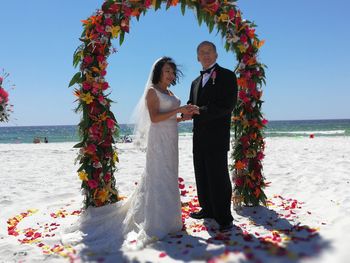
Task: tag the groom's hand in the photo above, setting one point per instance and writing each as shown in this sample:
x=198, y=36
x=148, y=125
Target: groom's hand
x=195, y=110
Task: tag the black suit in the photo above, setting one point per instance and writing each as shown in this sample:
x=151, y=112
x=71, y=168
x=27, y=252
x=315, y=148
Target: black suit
x=211, y=141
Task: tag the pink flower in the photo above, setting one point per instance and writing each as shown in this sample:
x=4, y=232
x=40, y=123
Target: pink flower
x=88, y=60
x=107, y=177
x=110, y=123
x=148, y=3
x=231, y=14
x=95, y=132
x=103, y=73
x=86, y=86
x=105, y=85
x=264, y=121
x=213, y=76
x=3, y=94
x=92, y=184
x=109, y=21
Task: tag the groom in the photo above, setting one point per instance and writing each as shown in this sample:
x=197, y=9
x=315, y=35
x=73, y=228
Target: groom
x=215, y=94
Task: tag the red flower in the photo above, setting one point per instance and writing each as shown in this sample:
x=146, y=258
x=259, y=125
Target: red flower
x=97, y=173
x=105, y=85
x=127, y=11
x=95, y=132
x=107, y=177
x=148, y=3
x=92, y=184
x=101, y=99
x=94, y=108
x=244, y=38
x=100, y=58
x=109, y=21
x=110, y=123
x=112, y=9
x=107, y=143
x=88, y=60
x=238, y=181
x=231, y=14
x=250, y=32
x=90, y=149
x=100, y=29
x=86, y=86
x=3, y=95
x=260, y=156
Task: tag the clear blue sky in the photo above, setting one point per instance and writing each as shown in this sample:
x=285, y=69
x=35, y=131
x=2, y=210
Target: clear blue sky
x=306, y=51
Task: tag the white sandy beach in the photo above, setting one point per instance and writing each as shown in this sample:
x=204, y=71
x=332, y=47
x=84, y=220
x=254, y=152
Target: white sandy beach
x=307, y=220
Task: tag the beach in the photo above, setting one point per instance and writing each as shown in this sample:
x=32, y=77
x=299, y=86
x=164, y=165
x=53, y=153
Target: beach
x=306, y=220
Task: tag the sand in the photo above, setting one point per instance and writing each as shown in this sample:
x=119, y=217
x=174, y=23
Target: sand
x=307, y=220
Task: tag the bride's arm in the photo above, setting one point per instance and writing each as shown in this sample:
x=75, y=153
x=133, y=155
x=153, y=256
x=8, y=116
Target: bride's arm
x=153, y=108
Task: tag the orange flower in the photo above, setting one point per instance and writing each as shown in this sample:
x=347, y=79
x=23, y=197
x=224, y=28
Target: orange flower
x=77, y=93
x=258, y=44
x=135, y=12
x=85, y=22
x=174, y=2
x=102, y=195
x=242, y=82
x=251, y=61
x=239, y=165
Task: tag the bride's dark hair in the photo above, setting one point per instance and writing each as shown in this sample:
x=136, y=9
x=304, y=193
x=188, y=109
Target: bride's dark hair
x=158, y=70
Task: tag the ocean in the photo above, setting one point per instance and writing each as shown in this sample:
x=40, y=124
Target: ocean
x=68, y=133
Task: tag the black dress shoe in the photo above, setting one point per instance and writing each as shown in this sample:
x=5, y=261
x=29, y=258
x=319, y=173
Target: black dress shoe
x=226, y=227
x=200, y=215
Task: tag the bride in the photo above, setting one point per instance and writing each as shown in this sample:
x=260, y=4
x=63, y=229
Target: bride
x=154, y=209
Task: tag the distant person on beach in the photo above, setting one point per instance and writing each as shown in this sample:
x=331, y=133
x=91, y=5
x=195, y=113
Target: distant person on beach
x=215, y=93
x=46, y=140
x=36, y=140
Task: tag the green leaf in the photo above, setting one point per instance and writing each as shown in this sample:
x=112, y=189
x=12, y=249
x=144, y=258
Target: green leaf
x=79, y=145
x=77, y=58
x=199, y=17
x=211, y=26
x=121, y=37
x=183, y=7
x=76, y=79
x=158, y=4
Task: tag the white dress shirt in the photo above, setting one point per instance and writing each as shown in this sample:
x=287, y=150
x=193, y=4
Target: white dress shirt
x=206, y=76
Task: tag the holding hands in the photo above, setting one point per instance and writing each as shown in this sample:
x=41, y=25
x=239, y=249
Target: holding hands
x=188, y=111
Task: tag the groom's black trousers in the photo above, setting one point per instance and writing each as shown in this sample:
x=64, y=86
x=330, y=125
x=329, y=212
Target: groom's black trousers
x=213, y=184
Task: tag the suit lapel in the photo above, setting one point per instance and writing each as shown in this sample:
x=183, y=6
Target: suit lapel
x=196, y=89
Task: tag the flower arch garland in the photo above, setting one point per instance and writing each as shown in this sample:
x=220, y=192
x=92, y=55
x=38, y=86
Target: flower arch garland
x=5, y=106
x=97, y=155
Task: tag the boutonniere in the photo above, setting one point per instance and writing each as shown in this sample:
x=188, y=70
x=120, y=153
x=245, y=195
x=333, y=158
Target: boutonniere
x=213, y=76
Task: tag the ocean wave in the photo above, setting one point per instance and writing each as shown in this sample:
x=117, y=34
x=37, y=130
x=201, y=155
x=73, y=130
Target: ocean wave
x=332, y=132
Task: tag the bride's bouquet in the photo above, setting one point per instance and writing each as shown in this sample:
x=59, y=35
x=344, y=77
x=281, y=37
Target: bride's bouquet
x=5, y=107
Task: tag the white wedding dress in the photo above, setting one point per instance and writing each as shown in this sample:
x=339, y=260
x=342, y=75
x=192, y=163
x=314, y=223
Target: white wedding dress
x=152, y=211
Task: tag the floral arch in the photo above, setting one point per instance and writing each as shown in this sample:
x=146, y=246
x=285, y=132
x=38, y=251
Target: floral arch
x=98, y=157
